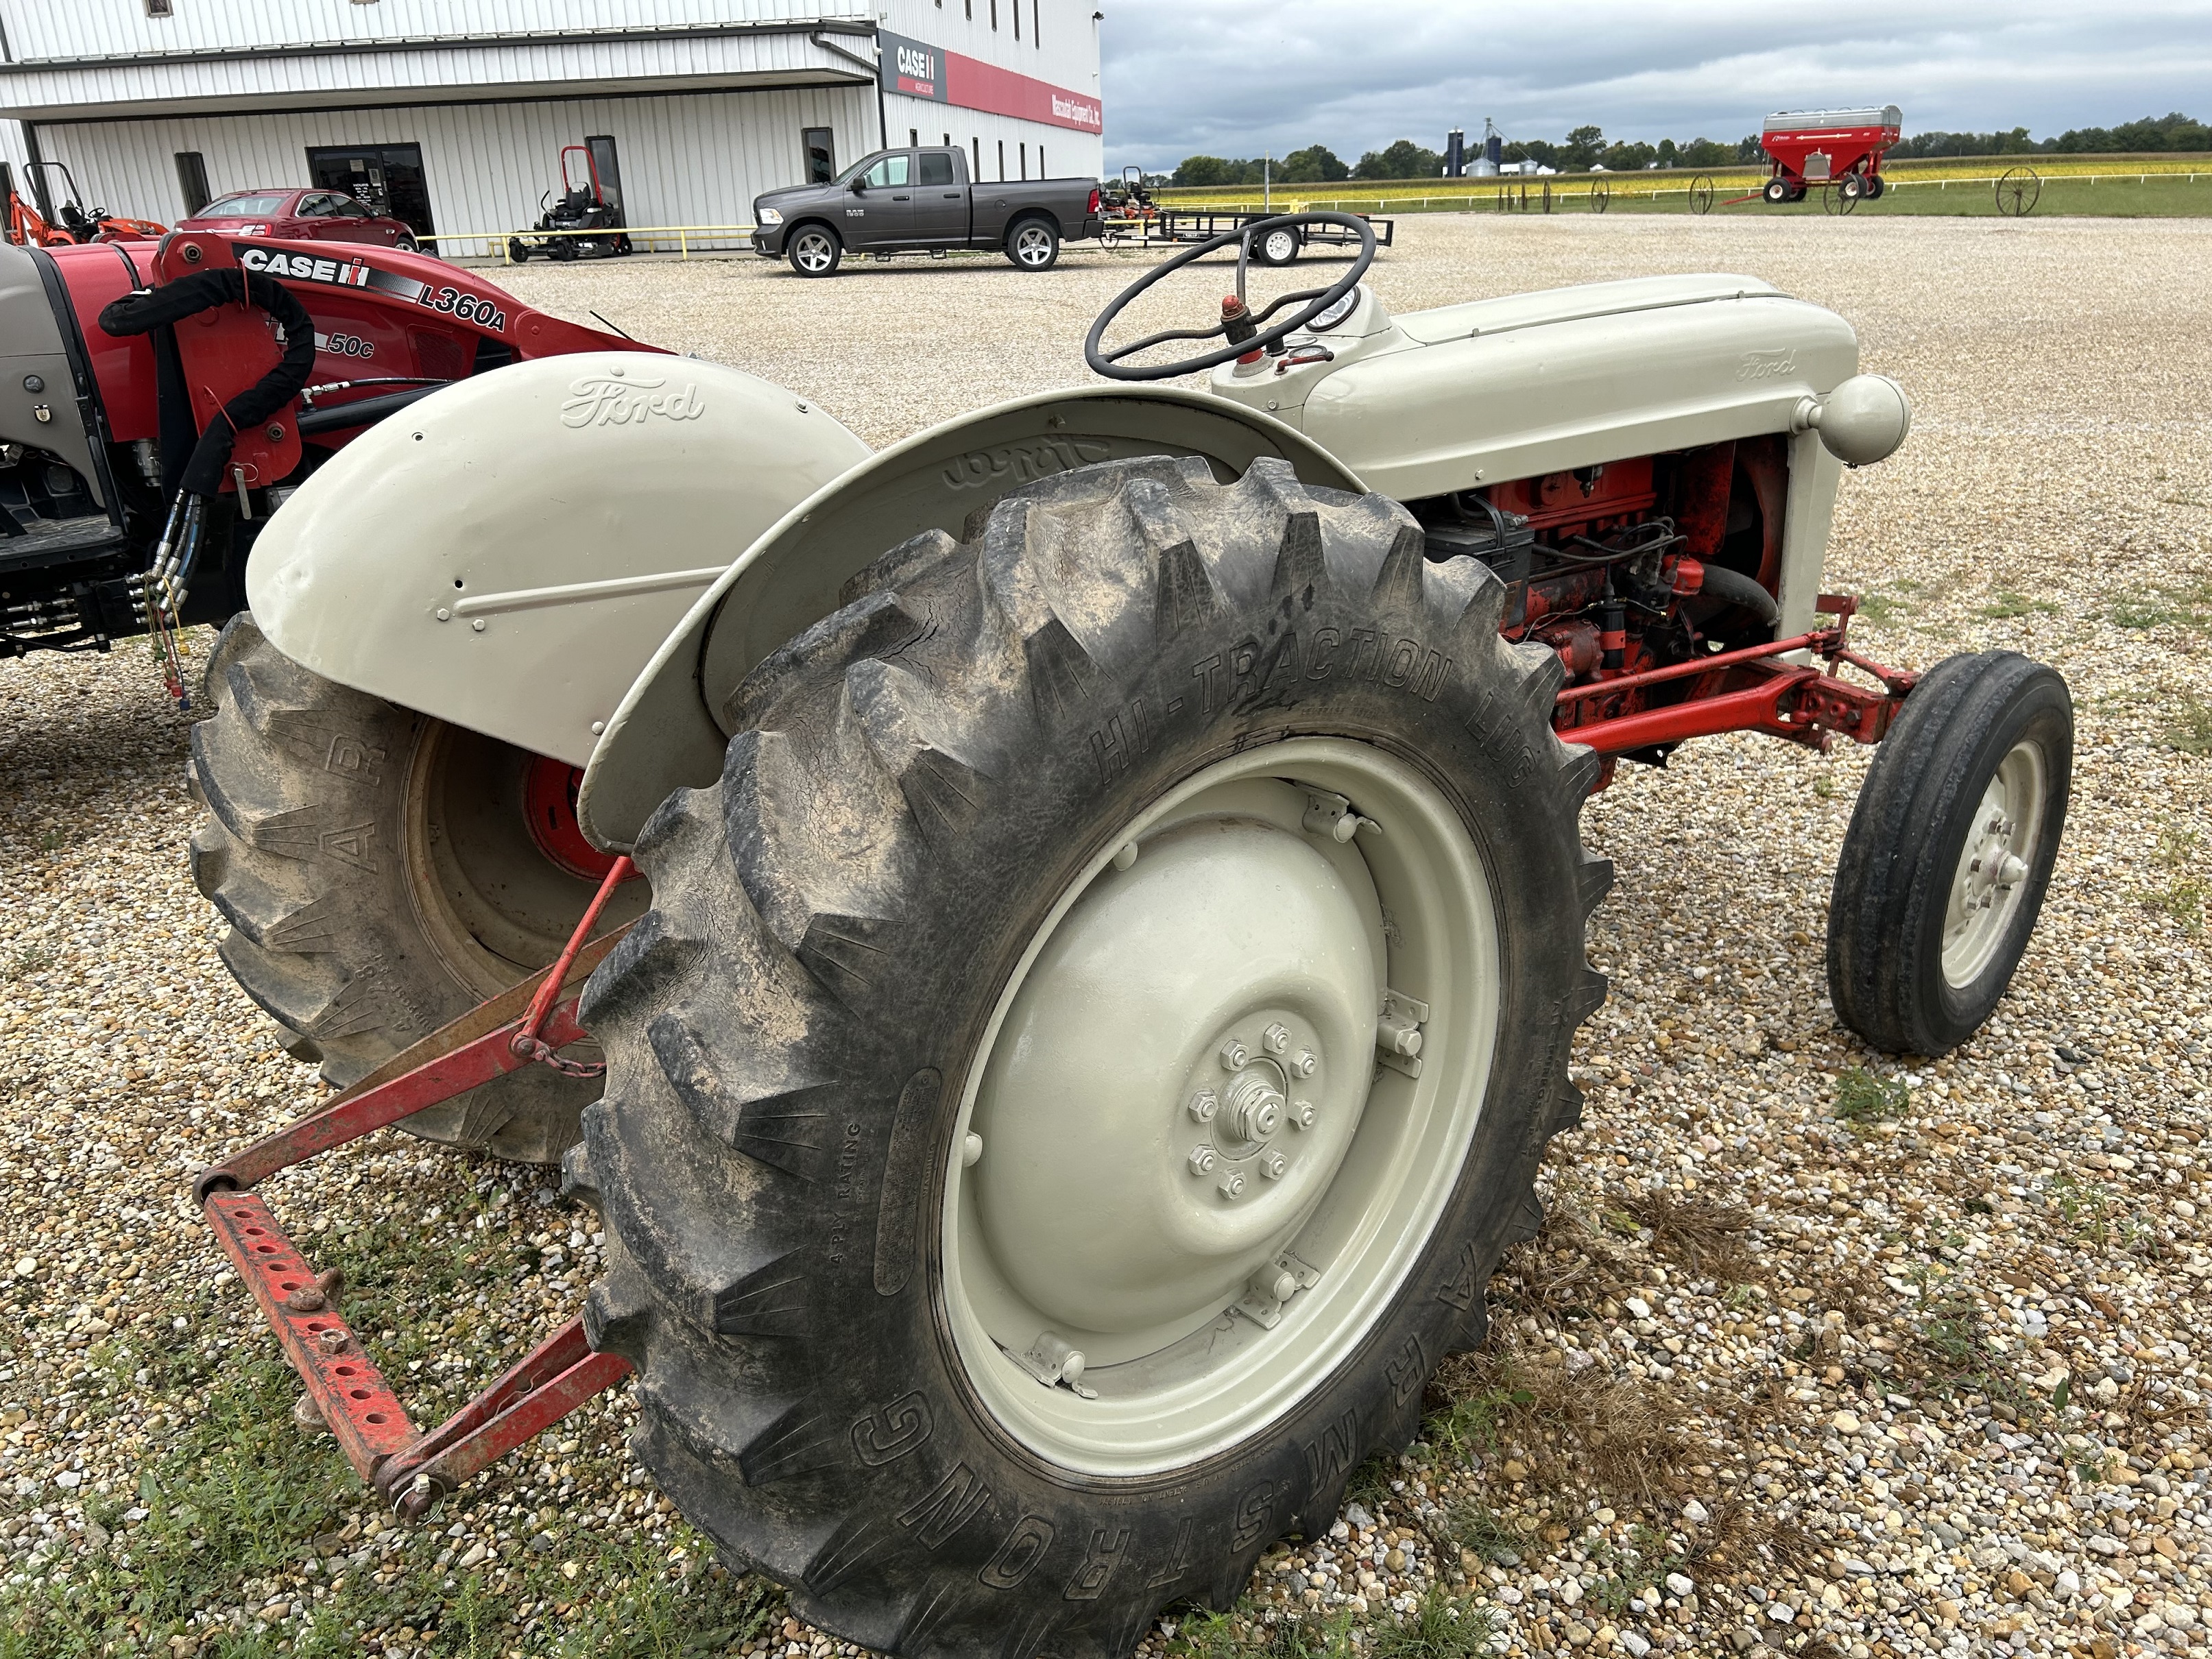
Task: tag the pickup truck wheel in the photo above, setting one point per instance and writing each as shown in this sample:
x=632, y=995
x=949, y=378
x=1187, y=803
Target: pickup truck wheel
x=815, y=251
x=1033, y=244
x=1949, y=850
x=1278, y=247
x=383, y=872
x=1027, y=1192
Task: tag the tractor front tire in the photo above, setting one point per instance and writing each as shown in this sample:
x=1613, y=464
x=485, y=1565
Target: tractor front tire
x=1027, y=1195
x=1949, y=850
x=379, y=879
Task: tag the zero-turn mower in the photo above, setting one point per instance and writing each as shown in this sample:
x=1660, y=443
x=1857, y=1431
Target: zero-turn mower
x=1117, y=901
x=586, y=220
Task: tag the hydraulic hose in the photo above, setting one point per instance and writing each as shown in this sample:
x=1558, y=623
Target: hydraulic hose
x=143, y=310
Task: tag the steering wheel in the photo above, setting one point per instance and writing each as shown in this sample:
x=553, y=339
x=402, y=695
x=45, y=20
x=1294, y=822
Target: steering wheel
x=1109, y=364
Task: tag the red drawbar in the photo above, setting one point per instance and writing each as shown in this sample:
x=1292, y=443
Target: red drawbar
x=523, y=1025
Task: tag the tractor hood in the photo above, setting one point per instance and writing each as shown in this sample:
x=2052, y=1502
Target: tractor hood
x=1528, y=384
x=507, y=553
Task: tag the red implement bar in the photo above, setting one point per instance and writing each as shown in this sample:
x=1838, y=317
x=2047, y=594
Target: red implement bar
x=1750, y=689
x=522, y=1026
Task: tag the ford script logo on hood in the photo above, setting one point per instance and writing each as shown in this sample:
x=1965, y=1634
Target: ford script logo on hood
x=609, y=400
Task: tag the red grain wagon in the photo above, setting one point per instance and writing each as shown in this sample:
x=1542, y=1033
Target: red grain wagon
x=1825, y=149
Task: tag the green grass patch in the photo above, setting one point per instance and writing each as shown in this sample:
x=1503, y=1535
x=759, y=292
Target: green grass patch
x=2181, y=892
x=2187, y=606
x=235, y=1502
x=1862, y=1097
x=2005, y=607
x=2190, y=731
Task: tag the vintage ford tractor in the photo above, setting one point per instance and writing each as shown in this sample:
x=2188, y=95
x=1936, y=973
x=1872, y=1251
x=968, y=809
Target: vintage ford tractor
x=1117, y=901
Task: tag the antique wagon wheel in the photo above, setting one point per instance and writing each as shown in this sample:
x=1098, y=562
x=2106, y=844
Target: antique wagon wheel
x=1600, y=195
x=1834, y=201
x=2019, y=189
x=1701, y=193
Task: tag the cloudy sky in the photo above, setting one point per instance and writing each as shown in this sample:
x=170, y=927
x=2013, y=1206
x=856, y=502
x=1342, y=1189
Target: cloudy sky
x=1238, y=77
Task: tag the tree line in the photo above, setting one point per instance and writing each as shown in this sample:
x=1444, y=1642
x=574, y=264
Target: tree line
x=1587, y=147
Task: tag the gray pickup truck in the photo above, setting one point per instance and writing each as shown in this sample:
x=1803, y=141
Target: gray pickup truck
x=914, y=201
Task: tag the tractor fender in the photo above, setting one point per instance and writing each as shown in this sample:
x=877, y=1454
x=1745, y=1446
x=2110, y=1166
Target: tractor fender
x=674, y=726
x=505, y=554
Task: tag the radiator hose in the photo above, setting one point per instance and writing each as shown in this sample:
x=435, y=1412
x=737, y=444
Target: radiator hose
x=1735, y=587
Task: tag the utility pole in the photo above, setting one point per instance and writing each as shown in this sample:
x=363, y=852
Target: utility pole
x=1267, y=184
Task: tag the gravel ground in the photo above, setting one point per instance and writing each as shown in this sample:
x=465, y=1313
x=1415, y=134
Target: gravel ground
x=1817, y=1350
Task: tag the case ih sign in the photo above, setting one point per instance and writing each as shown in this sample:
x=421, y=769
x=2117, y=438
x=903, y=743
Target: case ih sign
x=921, y=70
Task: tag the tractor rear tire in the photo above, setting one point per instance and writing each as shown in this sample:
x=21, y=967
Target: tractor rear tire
x=1949, y=850
x=1061, y=805
x=379, y=881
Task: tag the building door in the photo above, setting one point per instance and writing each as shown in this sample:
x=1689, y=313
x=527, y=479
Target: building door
x=821, y=154
x=604, y=163
x=388, y=177
x=192, y=179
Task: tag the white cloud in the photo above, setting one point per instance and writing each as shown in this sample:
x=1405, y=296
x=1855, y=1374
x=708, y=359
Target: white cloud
x=1239, y=77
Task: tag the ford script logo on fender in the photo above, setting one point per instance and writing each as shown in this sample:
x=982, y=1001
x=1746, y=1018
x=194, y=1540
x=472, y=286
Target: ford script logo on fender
x=615, y=400
x=1767, y=365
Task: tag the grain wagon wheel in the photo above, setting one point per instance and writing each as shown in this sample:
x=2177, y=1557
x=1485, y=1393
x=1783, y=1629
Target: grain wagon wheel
x=1601, y=195
x=1701, y=194
x=2019, y=189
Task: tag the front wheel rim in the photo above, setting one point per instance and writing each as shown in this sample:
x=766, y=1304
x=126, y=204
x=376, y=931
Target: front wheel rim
x=1281, y=247
x=1191, y=1173
x=1996, y=865
x=814, y=252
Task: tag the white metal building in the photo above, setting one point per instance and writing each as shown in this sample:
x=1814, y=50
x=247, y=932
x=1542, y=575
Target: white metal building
x=150, y=103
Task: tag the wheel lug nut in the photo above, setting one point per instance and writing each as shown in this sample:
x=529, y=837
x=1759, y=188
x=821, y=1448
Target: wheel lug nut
x=1201, y=1159
x=1272, y=1166
x=1232, y=1184
x=1304, y=1064
x=1204, y=1104
x=1234, y=1053
x=1303, y=1115
x=1276, y=1037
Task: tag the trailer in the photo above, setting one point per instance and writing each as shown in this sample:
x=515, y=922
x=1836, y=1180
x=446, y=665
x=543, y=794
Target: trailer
x=1837, y=149
x=1281, y=246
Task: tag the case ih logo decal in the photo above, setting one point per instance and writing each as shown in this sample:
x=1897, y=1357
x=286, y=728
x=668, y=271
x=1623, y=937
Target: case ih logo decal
x=917, y=70
x=921, y=70
x=357, y=272
x=609, y=400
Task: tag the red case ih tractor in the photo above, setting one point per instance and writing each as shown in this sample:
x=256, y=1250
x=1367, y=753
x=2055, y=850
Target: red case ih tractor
x=1837, y=149
x=1117, y=901
x=123, y=418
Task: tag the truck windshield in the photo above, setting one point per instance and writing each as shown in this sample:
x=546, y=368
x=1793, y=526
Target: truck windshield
x=883, y=172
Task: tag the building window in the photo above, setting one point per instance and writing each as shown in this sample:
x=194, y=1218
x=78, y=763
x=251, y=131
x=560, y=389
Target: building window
x=1036, y=34
x=994, y=14
x=821, y=154
x=914, y=138
x=157, y=8
x=971, y=10
x=948, y=141
x=1002, y=160
x=1025, y=161
x=191, y=179
x=976, y=176
x=1042, y=173
x=1018, y=19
